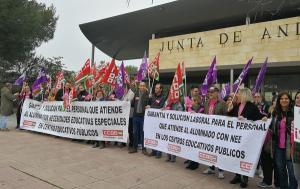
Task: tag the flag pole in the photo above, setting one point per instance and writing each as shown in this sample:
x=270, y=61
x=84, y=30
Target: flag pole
x=235, y=92
x=149, y=83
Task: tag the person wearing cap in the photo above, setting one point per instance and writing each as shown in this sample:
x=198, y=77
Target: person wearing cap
x=214, y=106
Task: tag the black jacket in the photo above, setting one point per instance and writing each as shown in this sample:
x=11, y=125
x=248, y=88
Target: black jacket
x=250, y=112
x=157, y=102
x=275, y=127
x=145, y=100
x=59, y=95
x=81, y=95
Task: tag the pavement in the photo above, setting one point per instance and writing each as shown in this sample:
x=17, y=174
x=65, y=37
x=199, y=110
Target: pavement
x=31, y=160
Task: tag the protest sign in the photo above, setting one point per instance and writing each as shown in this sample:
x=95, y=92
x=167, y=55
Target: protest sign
x=105, y=121
x=226, y=142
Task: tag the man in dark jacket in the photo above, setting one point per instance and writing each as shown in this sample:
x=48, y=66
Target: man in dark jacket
x=214, y=106
x=157, y=101
x=140, y=101
x=6, y=109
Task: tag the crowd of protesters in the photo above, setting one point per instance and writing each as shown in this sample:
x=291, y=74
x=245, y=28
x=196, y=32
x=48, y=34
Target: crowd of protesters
x=276, y=159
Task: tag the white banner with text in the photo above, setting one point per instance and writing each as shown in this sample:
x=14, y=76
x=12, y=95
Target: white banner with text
x=225, y=142
x=104, y=121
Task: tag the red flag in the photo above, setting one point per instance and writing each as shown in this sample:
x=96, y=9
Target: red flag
x=175, y=90
x=84, y=72
x=153, y=68
x=127, y=79
x=88, y=83
x=101, y=72
x=94, y=70
x=59, y=78
x=111, y=74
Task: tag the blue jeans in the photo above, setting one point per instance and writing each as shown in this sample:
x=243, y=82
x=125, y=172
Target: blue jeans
x=3, y=122
x=138, y=131
x=287, y=179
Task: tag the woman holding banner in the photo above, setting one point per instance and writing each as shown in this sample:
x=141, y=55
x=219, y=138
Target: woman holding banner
x=267, y=160
x=244, y=109
x=178, y=107
x=194, y=104
x=282, y=147
x=100, y=96
x=25, y=94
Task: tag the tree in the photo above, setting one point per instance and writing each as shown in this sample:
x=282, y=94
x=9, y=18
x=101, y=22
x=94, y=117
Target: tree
x=51, y=65
x=24, y=25
x=131, y=71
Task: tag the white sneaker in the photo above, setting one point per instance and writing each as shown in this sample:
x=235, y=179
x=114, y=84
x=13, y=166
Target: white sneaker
x=261, y=174
x=209, y=171
x=221, y=175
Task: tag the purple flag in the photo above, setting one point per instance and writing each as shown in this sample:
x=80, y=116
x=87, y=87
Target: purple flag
x=120, y=90
x=21, y=79
x=211, y=77
x=260, y=77
x=143, y=69
x=42, y=77
x=226, y=89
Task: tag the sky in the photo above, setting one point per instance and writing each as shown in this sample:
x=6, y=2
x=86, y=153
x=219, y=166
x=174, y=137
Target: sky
x=70, y=43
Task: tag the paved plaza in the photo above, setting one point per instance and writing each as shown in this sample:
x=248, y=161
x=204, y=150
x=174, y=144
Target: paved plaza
x=36, y=161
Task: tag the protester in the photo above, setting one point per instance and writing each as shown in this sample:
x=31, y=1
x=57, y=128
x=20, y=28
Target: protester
x=282, y=118
x=193, y=104
x=267, y=161
x=157, y=101
x=25, y=94
x=263, y=107
x=244, y=109
x=129, y=96
x=60, y=93
x=178, y=107
x=140, y=101
x=52, y=95
x=83, y=95
x=214, y=106
x=99, y=97
x=112, y=96
x=6, y=110
x=272, y=107
x=261, y=104
x=228, y=100
x=42, y=93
